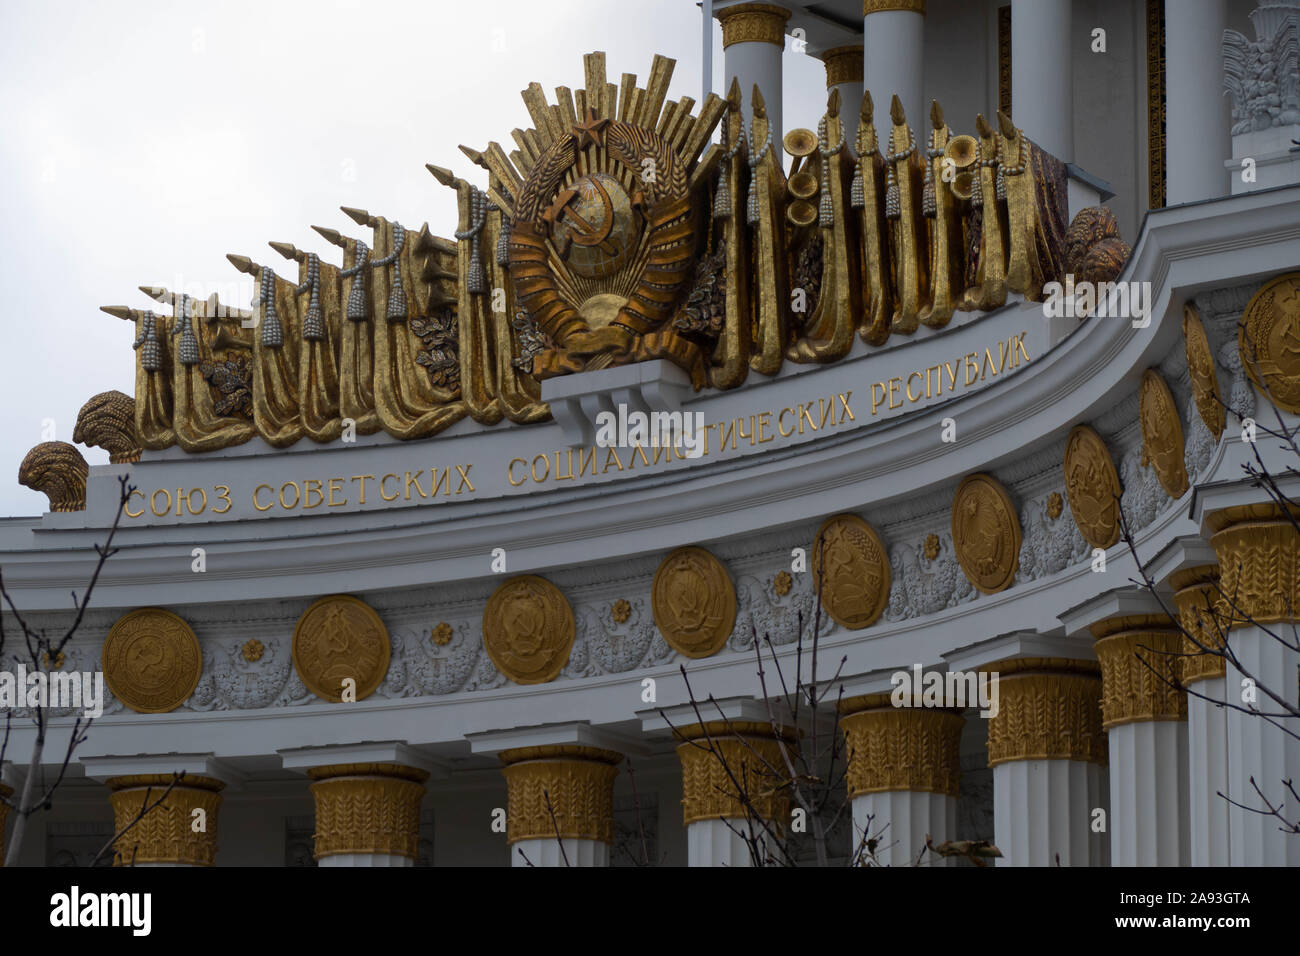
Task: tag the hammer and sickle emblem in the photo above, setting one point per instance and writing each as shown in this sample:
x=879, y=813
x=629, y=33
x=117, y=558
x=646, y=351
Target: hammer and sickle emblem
x=581, y=231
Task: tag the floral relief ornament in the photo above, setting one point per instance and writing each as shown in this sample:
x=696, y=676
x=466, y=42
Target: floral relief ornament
x=253, y=650
x=620, y=611
x=442, y=634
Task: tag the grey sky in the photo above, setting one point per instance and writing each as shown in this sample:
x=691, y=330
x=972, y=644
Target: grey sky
x=144, y=141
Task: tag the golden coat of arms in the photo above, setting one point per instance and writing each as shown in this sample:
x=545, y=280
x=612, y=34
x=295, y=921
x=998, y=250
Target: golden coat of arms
x=528, y=629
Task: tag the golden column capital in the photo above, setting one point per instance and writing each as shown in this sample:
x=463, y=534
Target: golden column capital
x=901, y=748
x=753, y=23
x=6, y=792
x=1196, y=596
x=1139, y=654
x=171, y=832
x=753, y=754
x=843, y=65
x=1259, y=563
x=574, y=783
x=1048, y=709
x=367, y=808
x=881, y=6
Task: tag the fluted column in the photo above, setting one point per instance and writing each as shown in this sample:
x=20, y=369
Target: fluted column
x=6, y=792
x=893, y=58
x=1042, y=81
x=1048, y=754
x=1196, y=127
x=844, y=73
x=904, y=774
x=1145, y=722
x=721, y=830
x=753, y=39
x=169, y=834
x=560, y=804
x=1259, y=560
x=367, y=814
x=1207, y=724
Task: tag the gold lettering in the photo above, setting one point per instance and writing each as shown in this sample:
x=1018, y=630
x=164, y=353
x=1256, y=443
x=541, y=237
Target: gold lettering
x=876, y=402
x=612, y=453
x=895, y=384
x=153, y=502
x=586, y=460
x=639, y=450
x=952, y=375
x=729, y=433
x=803, y=414
x=296, y=494
x=661, y=451
x=988, y=363
x=257, y=504
x=336, y=484
x=780, y=427
x=383, y=483
x=935, y=369
x=310, y=485
x=558, y=476
x=223, y=494
x=362, y=479
x=1020, y=346
x=910, y=396
x=844, y=407
x=463, y=474
x=178, y=503
x=972, y=369
x=764, y=426
x=741, y=431
x=510, y=471
x=189, y=505
x=1003, y=355
x=414, y=481
x=434, y=483
x=707, y=428
x=546, y=468
x=127, y=506
x=826, y=410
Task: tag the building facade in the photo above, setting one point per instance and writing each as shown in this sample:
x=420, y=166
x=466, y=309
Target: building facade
x=446, y=551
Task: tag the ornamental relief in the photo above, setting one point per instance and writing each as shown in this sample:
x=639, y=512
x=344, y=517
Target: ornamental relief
x=1051, y=544
x=925, y=582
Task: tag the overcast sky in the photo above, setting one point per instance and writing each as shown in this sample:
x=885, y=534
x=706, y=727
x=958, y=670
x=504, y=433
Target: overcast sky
x=144, y=141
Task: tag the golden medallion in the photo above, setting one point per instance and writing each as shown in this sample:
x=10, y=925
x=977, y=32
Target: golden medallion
x=151, y=660
x=340, y=638
x=1200, y=368
x=1269, y=341
x=986, y=533
x=851, y=571
x=1162, y=434
x=694, y=602
x=528, y=629
x=1092, y=485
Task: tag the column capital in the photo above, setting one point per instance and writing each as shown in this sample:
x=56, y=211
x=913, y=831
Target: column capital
x=564, y=791
x=1048, y=709
x=882, y=6
x=901, y=748
x=367, y=808
x=751, y=752
x=1259, y=559
x=165, y=834
x=1138, y=654
x=843, y=65
x=1196, y=595
x=753, y=23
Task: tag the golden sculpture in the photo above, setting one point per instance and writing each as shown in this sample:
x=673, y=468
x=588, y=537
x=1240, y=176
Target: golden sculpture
x=1162, y=434
x=850, y=569
x=107, y=421
x=750, y=753
x=986, y=533
x=367, y=808
x=1048, y=709
x=151, y=660
x=1200, y=369
x=341, y=648
x=56, y=469
x=564, y=789
x=901, y=748
x=694, y=602
x=1093, y=250
x=1269, y=341
x=1138, y=656
x=1257, y=547
x=528, y=629
x=1092, y=485
x=166, y=833
x=614, y=233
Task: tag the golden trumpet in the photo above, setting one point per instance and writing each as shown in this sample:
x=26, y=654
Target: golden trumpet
x=802, y=185
x=800, y=142
x=962, y=150
x=801, y=213
x=963, y=184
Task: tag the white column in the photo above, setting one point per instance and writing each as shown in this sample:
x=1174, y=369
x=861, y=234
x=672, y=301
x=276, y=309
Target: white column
x=901, y=820
x=1042, y=82
x=904, y=773
x=1207, y=774
x=844, y=73
x=1196, y=117
x=1048, y=754
x=893, y=58
x=1148, y=794
x=1258, y=750
x=365, y=859
x=1043, y=812
x=753, y=39
x=1145, y=717
x=718, y=843
x=548, y=852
